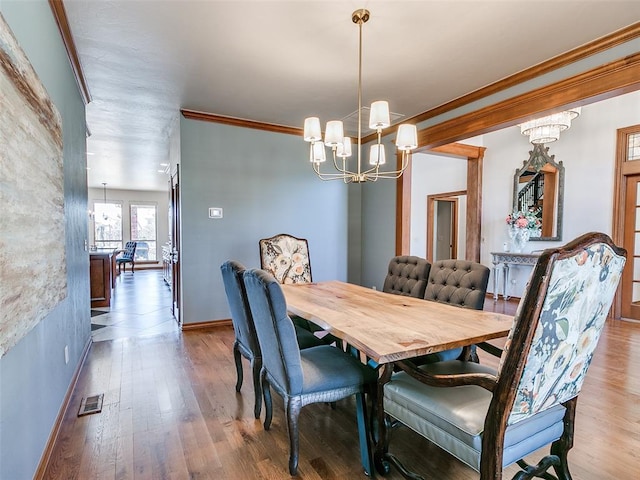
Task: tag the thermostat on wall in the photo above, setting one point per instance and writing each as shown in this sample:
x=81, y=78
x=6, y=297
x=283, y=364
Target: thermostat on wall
x=215, y=212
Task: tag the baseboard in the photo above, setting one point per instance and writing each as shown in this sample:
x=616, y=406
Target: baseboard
x=207, y=324
x=55, y=431
x=489, y=296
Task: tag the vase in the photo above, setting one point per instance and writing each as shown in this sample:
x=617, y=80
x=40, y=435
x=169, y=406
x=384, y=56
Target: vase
x=519, y=239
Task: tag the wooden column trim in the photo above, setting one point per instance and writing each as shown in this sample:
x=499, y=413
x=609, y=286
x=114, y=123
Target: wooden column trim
x=60, y=15
x=403, y=208
x=474, y=206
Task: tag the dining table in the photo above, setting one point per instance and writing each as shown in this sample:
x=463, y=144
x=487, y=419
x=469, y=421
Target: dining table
x=384, y=328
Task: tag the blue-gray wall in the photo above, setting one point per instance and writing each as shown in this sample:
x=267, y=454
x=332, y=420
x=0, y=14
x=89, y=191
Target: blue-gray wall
x=265, y=185
x=33, y=375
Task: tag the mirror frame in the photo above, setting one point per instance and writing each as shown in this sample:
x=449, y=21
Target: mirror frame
x=538, y=157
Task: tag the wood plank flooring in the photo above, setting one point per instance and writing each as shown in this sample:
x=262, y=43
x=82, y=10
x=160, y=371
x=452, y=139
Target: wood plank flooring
x=171, y=412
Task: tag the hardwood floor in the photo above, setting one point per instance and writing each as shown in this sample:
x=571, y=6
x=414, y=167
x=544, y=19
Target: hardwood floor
x=171, y=412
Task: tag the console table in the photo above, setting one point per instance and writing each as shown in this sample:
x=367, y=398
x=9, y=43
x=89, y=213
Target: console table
x=505, y=259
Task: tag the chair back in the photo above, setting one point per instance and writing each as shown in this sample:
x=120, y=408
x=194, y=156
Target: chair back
x=276, y=334
x=286, y=258
x=458, y=282
x=407, y=275
x=241, y=319
x=129, y=251
x=557, y=327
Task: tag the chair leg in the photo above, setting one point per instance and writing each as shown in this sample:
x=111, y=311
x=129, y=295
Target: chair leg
x=256, y=366
x=133, y=265
x=292, y=408
x=266, y=392
x=238, y=359
x=561, y=447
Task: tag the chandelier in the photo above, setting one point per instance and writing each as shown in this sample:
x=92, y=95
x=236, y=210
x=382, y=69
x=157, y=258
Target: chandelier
x=547, y=129
x=406, y=140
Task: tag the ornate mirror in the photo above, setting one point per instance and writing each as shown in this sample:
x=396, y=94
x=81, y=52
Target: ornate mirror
x=539, y=186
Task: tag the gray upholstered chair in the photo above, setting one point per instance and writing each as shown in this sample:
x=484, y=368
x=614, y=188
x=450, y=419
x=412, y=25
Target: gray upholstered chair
x=407, y=275
x=128, y=256
x=490, y=419
x=246, y=342
x=456, y=282
x=301, y=377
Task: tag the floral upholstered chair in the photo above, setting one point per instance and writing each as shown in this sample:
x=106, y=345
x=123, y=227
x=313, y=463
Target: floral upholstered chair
x=490, y=419
x=286, y=258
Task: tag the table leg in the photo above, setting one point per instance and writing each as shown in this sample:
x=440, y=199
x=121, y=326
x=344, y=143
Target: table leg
x=505, y=294
x=495, y=282
x=364, y=435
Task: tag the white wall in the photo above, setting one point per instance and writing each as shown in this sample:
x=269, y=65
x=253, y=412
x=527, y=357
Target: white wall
x=587, y=151
x=128, y=197
x=431, y=175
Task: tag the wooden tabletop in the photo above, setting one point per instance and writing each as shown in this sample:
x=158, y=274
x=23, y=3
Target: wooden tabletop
x=388, y=327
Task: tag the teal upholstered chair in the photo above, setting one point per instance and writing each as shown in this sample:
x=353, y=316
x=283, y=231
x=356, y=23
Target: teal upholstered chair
x=246, y=342
x=491, y=419
x=301, y=377
x=128, y=256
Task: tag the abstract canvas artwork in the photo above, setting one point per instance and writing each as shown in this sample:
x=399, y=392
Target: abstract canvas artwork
x=33, y=275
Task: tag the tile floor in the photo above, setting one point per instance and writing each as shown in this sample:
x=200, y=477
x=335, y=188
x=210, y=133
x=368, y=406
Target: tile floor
x=140, y=306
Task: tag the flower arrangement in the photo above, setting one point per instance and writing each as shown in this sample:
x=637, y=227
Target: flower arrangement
x=524, y=220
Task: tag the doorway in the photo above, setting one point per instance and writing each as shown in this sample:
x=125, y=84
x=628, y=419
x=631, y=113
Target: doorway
x=631, y=275
x=443, y=225
x=627, y=220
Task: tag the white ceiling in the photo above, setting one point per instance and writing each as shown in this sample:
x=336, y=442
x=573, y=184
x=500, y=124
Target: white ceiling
x=281, y=61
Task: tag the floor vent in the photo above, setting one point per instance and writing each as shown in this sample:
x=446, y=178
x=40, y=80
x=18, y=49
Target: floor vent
x=92, y=404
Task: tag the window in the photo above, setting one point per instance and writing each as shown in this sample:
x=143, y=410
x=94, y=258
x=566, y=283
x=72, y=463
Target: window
x=108, y=225
x=143, y=231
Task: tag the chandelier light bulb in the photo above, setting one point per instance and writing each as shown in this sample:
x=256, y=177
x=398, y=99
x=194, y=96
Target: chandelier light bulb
x=317, y=152
x=376, y=155
x=407, y=138
x=334, y=133
x=344, y=148
x=379, y=115
x=312, y=131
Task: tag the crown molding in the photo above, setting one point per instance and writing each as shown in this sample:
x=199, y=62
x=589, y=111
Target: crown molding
x=60, y=15
x=239, y=122
x=618, y=37
x=612, y=79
